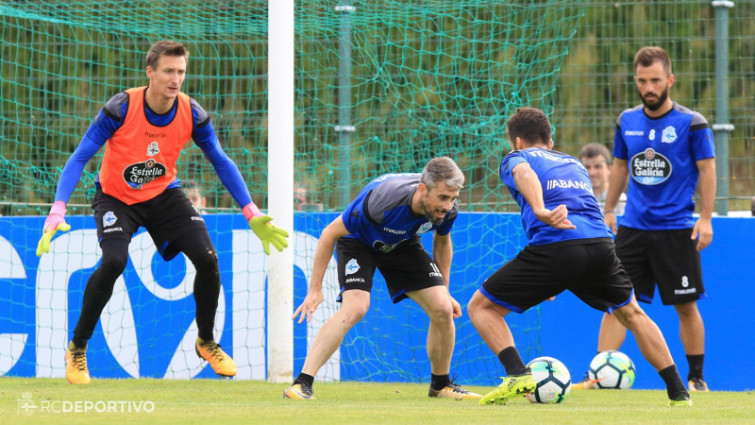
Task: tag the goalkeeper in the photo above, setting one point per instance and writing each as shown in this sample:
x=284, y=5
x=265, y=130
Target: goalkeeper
x=380, y=229
x=143, y=130
x=574, y=253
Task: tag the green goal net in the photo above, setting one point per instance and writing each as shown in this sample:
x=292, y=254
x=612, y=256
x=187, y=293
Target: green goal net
x=426, y=78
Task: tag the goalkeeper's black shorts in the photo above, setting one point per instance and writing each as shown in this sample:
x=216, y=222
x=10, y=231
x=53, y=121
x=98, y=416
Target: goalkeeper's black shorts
x=166, y=217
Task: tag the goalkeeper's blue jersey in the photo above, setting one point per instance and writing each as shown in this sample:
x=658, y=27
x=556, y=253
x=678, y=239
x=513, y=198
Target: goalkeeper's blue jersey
x=564, y=181
x=661, y=154
x=381, y=215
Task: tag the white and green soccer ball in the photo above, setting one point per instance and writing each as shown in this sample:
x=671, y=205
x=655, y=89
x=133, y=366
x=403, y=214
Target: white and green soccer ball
x=553, y=380
x=612, y=369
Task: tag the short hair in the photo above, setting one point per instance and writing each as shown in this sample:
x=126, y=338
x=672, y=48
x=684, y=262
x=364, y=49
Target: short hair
x=649, y=55
x=441, y=168
x=591, y=150
x=190, y=184
x=529, y=124
x=165, y=48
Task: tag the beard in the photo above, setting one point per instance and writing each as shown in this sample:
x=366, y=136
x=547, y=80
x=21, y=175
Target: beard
x=654, y=106
x=430, y=214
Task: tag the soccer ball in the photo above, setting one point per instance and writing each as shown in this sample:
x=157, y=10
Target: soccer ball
x=612, y=369
x=553, y=380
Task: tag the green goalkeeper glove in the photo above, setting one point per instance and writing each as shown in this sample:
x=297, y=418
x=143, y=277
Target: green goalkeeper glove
x=268, y=234
x=55, y=221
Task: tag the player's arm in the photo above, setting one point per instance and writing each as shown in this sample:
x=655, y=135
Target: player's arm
x=229, y=174
x=324, y=250
x=616, y=182
x=531, y=189
x=443, y=253
x=101, y=129
x=703, y=229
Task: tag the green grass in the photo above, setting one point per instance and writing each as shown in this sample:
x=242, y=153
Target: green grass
x=251, y=402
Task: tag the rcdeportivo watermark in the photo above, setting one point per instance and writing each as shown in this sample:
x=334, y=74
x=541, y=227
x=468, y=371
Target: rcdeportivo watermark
x=27, y=406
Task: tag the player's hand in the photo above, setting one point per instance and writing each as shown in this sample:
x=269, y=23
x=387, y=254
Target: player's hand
x=268, y=234
x=609, y=217
x=703, y=232
x=308, y=306
x=556, y=217
x=455, y=306
x=55, y=221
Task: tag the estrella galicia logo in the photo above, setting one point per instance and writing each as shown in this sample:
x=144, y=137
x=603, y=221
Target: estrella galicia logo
x=668, y=135
x=352, y=266
x=140, y=173
x=650, y=167
x=109, y=219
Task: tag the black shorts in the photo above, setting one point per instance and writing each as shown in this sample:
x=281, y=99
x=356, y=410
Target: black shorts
x=405, y=269
x=668, y=258
x=588, y=268
x=165, y=217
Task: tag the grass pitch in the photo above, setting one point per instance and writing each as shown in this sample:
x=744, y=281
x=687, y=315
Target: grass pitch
x=232, y=402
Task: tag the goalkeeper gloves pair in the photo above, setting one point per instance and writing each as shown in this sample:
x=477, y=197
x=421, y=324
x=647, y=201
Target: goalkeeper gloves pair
x=258, y=222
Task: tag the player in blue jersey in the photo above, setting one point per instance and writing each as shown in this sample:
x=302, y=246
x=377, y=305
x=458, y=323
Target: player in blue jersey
x=143, y=131
x=570, y=247
x=668, y=150
x=381, y=229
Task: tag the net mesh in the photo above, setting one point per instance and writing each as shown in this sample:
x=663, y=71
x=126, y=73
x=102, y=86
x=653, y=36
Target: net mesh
x=428, y=78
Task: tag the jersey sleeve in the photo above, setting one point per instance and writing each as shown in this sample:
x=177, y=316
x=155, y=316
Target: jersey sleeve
x=619, y=145
x=227, y=171
x=701, y=138
x=99, y=131
x=511, y=160
x=354, y=217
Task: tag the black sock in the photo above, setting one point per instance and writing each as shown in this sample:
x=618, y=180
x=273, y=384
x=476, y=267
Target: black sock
x=79, y=342
x=511, y=361
x=674, y=385
x=438, y=382
x=305, y=379
x=695, y=362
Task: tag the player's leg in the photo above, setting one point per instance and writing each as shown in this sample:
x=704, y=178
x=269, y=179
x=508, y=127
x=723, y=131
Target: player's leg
x=630, y=248
x=680, y=284
x=487, y=318
x=356, y=284
x=98, y=290
x=176, y=226
x=355, y=304
x=612, y=333
x=116, y=222
x=520, y=284
x=410, y=273
x=692, y=333
x=606, y=286
x=441, y=337
x=195, y=243
x=441, y=332
x=653, y=347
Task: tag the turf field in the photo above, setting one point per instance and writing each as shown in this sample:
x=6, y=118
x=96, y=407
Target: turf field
x=233, y=402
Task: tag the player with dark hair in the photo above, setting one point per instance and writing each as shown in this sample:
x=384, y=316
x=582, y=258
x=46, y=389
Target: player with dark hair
x=143, y=130
x=570, y=247
x=380, y=229
x=668, y=150
x=597, y=160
